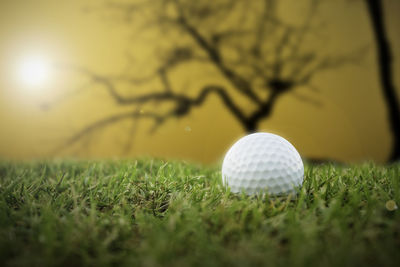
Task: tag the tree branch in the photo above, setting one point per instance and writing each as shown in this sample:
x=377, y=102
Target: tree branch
x=238, y=82
x=330, y=62
x=226, y=99
x=183, y=105
x=106, y=122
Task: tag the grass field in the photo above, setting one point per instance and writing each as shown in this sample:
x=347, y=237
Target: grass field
x=157, y=213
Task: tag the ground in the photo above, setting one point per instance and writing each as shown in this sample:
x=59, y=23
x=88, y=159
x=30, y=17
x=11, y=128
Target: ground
x=165, y=213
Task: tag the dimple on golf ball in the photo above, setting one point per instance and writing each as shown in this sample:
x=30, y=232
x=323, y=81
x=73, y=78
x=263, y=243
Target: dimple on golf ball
x=262, y=163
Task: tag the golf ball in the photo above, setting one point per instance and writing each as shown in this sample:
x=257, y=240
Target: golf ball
x=260, y=163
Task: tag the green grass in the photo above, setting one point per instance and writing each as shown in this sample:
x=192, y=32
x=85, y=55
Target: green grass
x=157, y=213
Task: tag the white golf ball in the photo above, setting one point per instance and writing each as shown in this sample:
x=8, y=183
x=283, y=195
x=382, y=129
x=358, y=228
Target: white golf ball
x=262, y=163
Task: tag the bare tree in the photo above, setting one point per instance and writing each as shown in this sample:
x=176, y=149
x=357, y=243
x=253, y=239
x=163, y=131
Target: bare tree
x=386, y=73
x=257, y=55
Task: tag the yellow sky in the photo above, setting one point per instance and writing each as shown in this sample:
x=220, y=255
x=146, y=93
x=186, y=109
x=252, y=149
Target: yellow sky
x=350, y=125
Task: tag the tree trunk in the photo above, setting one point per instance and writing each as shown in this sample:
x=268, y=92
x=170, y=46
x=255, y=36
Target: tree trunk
x=250, y=127
x=385, y=72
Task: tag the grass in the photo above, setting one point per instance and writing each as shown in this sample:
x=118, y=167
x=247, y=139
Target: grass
x=157, y=213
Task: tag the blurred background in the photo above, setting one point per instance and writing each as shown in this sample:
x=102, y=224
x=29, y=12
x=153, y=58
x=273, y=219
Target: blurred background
x=184, y=79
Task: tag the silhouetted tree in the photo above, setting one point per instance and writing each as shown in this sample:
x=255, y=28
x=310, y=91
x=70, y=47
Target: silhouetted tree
x=386, y=73
x=257, y=55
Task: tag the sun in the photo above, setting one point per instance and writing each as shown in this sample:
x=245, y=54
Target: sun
x=33, y=71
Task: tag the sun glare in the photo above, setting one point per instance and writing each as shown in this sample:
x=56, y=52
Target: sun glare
x=33, y=71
